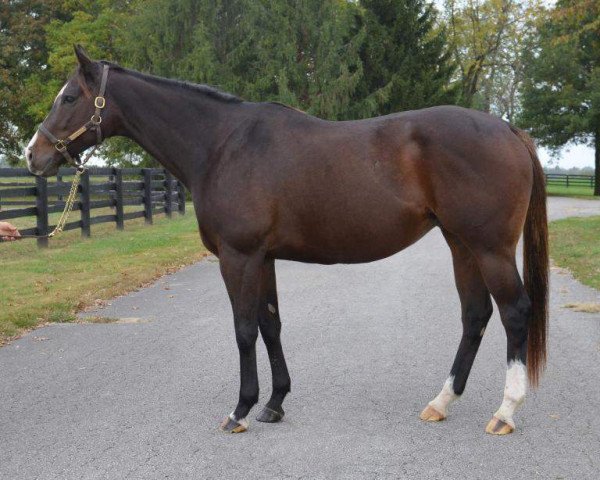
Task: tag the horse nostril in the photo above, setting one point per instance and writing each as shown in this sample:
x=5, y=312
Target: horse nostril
x=28, y=154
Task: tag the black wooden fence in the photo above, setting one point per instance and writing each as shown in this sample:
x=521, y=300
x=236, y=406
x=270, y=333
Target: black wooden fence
x=118, y=191
x=568, y=180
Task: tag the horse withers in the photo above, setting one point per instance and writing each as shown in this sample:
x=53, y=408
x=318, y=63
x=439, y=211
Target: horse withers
x=270, y=182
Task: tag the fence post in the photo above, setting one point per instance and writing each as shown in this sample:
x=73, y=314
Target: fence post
x=147, y=172
x=118, y=178
x=567, y=180
x=41, y=207
x=168, y=194
x=59, y=179
x=85, y=204
x=181, y=197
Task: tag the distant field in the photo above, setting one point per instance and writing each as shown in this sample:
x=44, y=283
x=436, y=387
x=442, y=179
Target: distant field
x=41, y=285
x=577, y=191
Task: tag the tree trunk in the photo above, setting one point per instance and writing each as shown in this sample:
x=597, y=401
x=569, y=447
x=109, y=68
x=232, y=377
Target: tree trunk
x=597, y=162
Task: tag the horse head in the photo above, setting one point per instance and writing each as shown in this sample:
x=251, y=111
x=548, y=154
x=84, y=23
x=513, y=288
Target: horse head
x=79, y=117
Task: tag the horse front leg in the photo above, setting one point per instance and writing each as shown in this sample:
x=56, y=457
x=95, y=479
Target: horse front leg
x=270, y=328
x=242, y=274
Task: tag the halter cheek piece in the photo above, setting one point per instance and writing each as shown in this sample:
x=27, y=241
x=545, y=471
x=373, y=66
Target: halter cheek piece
x=92, y=124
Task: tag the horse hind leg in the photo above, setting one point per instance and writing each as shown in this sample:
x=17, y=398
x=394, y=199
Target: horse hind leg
x=503, y=280
x=476, y=309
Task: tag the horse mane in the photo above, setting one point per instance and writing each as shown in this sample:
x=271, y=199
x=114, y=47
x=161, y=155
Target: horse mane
x=207, y=90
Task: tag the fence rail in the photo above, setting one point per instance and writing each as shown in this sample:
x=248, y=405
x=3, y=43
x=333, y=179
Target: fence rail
x=115, y=189
x=568, y=180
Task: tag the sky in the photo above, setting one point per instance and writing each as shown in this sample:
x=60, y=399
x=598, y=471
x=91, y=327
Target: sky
x=570, y=156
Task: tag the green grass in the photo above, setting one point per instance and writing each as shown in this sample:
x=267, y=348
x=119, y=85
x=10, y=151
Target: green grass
x=571, y=191
x=575, y=245
x=51, y=285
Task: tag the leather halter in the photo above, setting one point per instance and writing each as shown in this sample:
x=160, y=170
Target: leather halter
x=93, y=124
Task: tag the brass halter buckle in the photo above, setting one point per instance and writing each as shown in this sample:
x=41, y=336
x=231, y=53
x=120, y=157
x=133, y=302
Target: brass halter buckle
x=99, y=102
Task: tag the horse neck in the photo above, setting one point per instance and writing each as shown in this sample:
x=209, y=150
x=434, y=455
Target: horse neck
x=177, y=126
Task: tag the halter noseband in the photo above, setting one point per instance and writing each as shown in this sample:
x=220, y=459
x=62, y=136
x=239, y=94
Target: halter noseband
x=92, y=124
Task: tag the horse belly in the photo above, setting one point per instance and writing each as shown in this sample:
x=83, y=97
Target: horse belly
x=355, y=235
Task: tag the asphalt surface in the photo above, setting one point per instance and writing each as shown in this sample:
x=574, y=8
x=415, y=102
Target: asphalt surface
x=367, y=347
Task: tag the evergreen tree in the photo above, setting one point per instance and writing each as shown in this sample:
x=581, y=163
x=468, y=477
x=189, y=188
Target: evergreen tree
x=405, y=61
x=304, y=53
x=300, y=52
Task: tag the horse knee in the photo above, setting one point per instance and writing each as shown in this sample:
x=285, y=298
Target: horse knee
x=246, y=338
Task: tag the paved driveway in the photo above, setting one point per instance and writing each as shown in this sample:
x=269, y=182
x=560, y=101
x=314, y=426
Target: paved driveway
x=367, y=346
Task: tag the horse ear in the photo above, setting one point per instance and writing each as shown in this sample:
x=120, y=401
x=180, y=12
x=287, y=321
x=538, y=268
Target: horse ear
x=82, y=56
x=87, y=66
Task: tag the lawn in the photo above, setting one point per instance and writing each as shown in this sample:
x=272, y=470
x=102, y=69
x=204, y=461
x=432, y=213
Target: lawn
x=51, y=285
x=571, y=191
x=575, y=244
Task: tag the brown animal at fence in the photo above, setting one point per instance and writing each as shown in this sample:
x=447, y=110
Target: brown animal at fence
x=270, y=182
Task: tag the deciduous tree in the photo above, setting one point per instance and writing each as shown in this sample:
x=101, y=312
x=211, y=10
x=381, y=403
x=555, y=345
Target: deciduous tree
x=488, y=39
x=561, y=96
x=23, y=54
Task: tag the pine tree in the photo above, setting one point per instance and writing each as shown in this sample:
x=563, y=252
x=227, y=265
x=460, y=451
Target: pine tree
x=405, y=60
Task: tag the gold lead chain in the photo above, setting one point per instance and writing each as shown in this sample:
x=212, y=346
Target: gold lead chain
x=68, y=205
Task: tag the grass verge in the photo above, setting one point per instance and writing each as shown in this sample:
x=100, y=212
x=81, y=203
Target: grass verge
x=572, y=191
x=51, y=285
x=574, y=245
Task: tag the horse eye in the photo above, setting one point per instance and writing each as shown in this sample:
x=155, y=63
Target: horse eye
x=68, y=99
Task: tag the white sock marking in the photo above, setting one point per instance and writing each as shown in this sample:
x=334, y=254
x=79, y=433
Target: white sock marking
x=445, y=397
x=514, y=391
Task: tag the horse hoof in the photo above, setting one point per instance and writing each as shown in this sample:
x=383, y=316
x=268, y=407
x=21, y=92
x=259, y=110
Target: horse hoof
x=268, y=415
x=430, y=414
x=230, y=425
x=498, y=427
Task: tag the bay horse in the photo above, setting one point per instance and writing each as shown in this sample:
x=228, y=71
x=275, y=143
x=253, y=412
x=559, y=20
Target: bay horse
x=271, y=182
